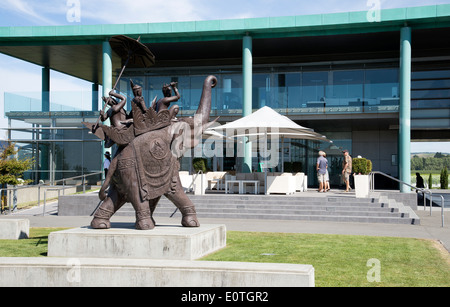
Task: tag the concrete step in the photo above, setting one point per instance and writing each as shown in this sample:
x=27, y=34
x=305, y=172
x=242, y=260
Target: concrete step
x=276, y=208
x=366, y=211
x=329, y=218
x=238, y=212
x=323, y=207
x=276, y=198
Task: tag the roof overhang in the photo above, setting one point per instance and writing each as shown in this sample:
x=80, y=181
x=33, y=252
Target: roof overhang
x=77, y=50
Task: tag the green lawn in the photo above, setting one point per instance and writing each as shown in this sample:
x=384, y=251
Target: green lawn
x=338, y=260
x=35, y=246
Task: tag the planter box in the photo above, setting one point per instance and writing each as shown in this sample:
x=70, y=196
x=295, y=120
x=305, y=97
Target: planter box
x=362, y=186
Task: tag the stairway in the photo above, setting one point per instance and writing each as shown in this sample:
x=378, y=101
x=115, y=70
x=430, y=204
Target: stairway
x=279, y=207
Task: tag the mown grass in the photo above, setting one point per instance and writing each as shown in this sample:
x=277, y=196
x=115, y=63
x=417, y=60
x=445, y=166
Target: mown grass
x=35, y=246
x=341, y=261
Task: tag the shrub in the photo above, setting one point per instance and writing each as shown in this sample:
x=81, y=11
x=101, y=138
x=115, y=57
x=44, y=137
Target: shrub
x=430, y=181
x=288, y=167
x=362, y=166
x=297, y=167
x=444, y=178
x=292, y=167
x=199, y=164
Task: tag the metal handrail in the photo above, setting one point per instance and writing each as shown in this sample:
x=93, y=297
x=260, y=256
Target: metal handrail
x=200, y=172
x=423, y=191
x=15, y=188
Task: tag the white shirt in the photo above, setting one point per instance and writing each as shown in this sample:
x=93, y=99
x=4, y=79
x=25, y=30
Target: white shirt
x=106, y=163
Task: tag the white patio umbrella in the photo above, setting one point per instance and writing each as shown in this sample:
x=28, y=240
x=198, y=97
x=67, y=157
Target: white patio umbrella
x=265, y=123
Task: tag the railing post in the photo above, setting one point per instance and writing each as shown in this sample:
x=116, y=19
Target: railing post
x=431, y=203
x=10, y=201
x=45, y=202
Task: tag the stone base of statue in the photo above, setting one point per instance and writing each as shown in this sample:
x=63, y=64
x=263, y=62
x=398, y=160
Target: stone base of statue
x=164, y=242
x=162, y=257
x=108, y=272
x=14, y=229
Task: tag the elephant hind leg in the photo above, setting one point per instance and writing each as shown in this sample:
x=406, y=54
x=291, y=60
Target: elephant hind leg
x=186, y=207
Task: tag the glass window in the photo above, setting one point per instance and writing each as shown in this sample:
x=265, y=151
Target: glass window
x=381, y=87
x=313, y=87
x=293, y=90
x=229, y=93
x=430, y=94
x=262, y=85
x=345, y=88
x=431, y=74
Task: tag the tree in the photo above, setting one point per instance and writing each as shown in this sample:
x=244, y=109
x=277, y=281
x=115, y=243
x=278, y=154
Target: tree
x=444, y=178
x=439, y=155
x=430, y=182
x=11, y=168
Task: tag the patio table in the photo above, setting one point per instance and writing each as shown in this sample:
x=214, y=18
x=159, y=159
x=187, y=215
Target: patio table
x=241, y=184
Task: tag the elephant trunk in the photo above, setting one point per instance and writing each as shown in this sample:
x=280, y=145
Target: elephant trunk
x=204, y=107
x=187, y=133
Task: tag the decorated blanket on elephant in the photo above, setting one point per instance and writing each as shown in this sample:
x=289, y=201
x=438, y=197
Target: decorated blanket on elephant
x=156, y=166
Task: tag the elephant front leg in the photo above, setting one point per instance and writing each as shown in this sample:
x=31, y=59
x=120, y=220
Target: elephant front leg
x=106, y=210
x=185, y=205
x=144, y=220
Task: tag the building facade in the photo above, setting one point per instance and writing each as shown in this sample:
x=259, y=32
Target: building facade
x=369, y=86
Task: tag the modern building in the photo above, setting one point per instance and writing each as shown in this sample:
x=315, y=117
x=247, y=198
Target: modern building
x=371, y=83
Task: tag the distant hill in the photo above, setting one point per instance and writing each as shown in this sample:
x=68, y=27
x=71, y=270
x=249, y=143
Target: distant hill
x=427, y=154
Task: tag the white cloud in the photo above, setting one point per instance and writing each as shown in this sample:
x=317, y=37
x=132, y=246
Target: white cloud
x=32, y=10
x=139, y=11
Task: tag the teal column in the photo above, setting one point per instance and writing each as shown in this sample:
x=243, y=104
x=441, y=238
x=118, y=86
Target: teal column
x=45, y=89
x=107, y=68
x=94, y=97
x=247, y=76
x=404, y=141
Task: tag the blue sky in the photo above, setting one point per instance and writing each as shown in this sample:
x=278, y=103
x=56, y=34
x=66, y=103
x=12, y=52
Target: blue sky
x=19, y=76
x=54, y=12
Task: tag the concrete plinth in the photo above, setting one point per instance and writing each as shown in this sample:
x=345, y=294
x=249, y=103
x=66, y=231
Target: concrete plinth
x=89, y=272
x=164, y=242
x=14, y=229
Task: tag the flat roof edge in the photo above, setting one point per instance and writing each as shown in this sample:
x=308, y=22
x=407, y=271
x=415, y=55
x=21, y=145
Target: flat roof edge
x=228, y=27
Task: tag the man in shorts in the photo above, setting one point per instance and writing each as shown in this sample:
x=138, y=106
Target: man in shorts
x=347, y=170
x=322, y=165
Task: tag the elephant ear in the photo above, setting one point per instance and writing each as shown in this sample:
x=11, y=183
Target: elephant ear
x=187, y=134
x=181, y=138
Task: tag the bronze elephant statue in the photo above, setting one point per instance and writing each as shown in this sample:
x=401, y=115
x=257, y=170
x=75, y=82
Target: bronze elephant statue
x=146, y=165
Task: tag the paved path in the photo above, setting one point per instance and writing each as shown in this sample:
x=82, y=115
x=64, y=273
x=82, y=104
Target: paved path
x=429, y=228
